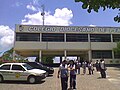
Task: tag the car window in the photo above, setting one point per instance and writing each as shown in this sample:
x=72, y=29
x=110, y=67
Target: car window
x=5, y=67
x=28, y=67
x=35, y=65
x=17, y=67
x=40, y=64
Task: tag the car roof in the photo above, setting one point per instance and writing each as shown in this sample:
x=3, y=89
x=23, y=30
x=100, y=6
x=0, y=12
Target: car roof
x=13, y=63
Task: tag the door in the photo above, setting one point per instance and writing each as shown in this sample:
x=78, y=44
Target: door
x=19, y=73
x=5, y=71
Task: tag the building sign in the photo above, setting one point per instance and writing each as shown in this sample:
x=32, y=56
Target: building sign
x=67, y=29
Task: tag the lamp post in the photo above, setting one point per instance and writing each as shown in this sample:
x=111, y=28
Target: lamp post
x=43, y=13
x=43, y=18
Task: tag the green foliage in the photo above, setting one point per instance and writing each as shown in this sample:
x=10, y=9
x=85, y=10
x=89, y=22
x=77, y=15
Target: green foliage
x=47, y=59
x=8, y=55
x=117, y=49
x=105, y=4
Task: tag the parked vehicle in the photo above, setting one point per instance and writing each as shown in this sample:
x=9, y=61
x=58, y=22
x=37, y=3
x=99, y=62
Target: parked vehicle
x=37, y=65
x=20, y=72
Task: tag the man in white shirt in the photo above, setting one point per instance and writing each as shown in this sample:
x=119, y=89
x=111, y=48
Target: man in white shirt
x=63, y=72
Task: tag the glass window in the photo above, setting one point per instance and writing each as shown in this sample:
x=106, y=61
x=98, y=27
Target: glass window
x=27, y=66
x=116, y=37
x=27, y=37
x=77, y=37
x=100, y=37
x=102, y=54
x=5, y=67
x=17, y=67
x=53, y=37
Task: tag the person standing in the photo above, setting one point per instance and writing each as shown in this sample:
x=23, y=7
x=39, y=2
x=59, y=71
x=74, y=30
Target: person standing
x=102, y=68
x=72, y=75
x=78, y=65
x=63, y=72
x=97, y=65
x=84, y=64
x=90, y=67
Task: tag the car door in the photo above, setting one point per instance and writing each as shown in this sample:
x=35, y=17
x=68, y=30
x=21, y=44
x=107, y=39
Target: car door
x=5, y=71
x=19, y=73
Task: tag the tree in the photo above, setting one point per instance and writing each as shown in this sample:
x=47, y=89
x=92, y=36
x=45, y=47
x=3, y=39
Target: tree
x=8, y=55
x=105, y=4
x=47, y=59
x=117, y=49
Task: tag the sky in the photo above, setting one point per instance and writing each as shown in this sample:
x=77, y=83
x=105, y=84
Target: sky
x=57, y=12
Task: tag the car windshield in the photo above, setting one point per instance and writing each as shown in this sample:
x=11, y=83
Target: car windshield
x=40, y=64
x=28, y=67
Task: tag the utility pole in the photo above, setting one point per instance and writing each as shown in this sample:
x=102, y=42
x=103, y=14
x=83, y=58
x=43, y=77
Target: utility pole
x=43, y=14
x=43, y=18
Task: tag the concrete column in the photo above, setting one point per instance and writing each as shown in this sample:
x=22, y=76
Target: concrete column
x=90, y=55
x=111, y=38
x=14, y=55
x=90, y=49
x=40, y=37
x=113, y=57
x=40, y=55
x=88, y=37
x=65, y=54
x=64, y=37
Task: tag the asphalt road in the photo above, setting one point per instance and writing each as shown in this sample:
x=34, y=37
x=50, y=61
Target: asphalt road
x=84, y=82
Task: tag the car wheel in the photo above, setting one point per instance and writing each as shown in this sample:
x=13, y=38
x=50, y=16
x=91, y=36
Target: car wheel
x=1, y=79
x=31, y=79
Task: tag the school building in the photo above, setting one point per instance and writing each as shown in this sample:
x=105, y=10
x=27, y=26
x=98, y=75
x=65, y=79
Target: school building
x=84, y=42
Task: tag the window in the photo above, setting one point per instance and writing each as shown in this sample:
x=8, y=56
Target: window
x=100, y=37
x=17, y=67
x=102, y=54
x=53, y=37
x=5, y=67
x=27, y=37
x=116, y=37
x=27, y=66
x=77, y=37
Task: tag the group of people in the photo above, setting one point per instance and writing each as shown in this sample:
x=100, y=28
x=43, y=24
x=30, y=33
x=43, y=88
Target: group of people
x=67, y=69
x=84, y=65
x=71, y=68
x=100, y=66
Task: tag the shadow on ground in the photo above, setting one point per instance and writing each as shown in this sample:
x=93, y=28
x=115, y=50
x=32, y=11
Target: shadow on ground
x=22, y=82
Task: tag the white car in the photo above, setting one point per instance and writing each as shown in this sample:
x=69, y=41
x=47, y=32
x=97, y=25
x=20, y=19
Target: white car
x=20, y=71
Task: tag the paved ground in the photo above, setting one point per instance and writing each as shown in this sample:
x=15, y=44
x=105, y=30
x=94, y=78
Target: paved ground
x=84, y=82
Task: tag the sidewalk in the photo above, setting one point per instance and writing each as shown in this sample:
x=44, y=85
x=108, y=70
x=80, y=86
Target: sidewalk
x=94, y=82
x=84, y=82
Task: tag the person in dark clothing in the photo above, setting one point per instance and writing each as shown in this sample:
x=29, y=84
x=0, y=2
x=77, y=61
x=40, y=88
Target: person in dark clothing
x=72, y=75
x=90, y=67
x=102, y=68
x=63, y=72
x=78, y=65
x=84, y=65
x=97, y=65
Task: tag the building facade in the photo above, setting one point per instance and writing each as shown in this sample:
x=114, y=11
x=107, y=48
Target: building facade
x=88, y=43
